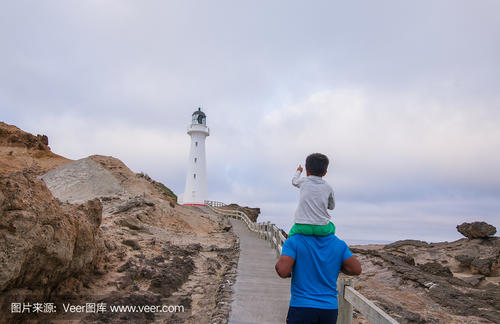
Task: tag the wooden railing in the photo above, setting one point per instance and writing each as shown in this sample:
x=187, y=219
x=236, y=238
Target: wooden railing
x=267, y=231
x=214, y=203
x=348, y=297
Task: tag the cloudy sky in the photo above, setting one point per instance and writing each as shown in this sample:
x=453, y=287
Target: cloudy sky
x=404, y=97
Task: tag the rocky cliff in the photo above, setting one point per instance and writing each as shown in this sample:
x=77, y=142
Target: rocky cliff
x=43, y=241
x=94, y=232
x=447, y=282
x=21, y=151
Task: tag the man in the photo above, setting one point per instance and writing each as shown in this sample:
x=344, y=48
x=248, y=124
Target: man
x=316, y=262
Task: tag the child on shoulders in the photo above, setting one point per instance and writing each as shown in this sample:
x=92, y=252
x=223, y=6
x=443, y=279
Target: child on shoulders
x=316, y=196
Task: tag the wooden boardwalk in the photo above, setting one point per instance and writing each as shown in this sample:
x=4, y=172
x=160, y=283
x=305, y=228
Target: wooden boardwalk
x=259, y=295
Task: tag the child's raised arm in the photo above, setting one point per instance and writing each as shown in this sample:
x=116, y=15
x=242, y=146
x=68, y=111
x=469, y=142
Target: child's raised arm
x=296, y=177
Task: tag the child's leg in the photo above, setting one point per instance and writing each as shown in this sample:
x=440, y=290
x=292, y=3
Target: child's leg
x=304, y=229
x=308, y=229
x=322, y=230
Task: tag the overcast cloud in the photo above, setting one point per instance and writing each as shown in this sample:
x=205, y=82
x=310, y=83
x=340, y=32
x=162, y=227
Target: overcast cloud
x=404, y=97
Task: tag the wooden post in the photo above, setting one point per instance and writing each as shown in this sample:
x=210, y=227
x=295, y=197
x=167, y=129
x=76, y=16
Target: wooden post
x=278, y=243
x=345, y=308
x=271, y=235
x=275, y=243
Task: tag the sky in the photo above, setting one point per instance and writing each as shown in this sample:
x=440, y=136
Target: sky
x=403, y=97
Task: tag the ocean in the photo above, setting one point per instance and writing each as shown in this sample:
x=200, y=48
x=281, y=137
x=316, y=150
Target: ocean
x=364, y=242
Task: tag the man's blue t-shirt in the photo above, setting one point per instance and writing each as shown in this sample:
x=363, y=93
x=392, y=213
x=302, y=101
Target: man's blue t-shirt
x=318, y=260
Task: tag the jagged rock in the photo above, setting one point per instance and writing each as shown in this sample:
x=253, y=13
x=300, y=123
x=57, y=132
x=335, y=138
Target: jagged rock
x=21, y=151
x=43, y=139
x=476, y=230
x=132, y=243
x=482, y=266
x=398, y=244
x=132, y=203
x=43, y=241
x=13, y=136
x=474, y=280
x=436, y=268
x=464, y=259
x=408, y=259
x=130, y=223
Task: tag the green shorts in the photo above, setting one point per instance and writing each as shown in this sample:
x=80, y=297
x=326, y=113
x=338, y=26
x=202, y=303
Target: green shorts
x=308, y=229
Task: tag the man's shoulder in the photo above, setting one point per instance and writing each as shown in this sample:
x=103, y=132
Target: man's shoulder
x=338, y=241
x=330, y=238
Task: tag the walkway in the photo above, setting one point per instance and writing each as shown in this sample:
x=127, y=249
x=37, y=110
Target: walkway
x=259, y=295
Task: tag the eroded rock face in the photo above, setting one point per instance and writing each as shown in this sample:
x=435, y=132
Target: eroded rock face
x=446, y=282
x=476, y=230
x=42, y=241
x=53, y=252
x=13, y=136
x=21, y=151
x=436, y=268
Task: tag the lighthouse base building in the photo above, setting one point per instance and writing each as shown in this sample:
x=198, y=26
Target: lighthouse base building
x=195, y=192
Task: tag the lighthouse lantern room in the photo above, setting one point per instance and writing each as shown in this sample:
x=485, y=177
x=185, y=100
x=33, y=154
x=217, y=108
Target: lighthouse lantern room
x=195, y=192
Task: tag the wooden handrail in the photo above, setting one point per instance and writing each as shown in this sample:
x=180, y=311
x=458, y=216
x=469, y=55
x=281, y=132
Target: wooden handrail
x=372, y=313
x=348, y=297
x=214, y=203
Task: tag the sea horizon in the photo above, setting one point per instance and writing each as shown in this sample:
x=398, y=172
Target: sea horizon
x=365, y=242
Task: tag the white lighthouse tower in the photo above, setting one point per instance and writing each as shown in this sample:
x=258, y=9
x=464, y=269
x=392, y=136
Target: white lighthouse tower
x=195, y=192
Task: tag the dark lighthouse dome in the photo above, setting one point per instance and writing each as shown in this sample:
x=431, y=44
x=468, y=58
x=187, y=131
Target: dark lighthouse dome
x=199, y=117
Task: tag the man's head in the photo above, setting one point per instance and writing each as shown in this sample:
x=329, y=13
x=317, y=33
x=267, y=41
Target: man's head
x=317, y=164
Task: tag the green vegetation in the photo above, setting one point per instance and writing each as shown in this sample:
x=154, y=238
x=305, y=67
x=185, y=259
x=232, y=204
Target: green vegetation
x=158, y=185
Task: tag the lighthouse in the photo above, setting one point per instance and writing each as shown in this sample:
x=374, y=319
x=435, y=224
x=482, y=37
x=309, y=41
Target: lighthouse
x=195, y=192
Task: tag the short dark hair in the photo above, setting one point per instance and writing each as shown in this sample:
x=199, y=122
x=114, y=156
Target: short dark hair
x=317, y=164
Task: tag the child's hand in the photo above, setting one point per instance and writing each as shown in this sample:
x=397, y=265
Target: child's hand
x=300, y=168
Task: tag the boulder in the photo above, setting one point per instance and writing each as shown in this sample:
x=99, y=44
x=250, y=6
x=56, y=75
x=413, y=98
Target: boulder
x=476, y=230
